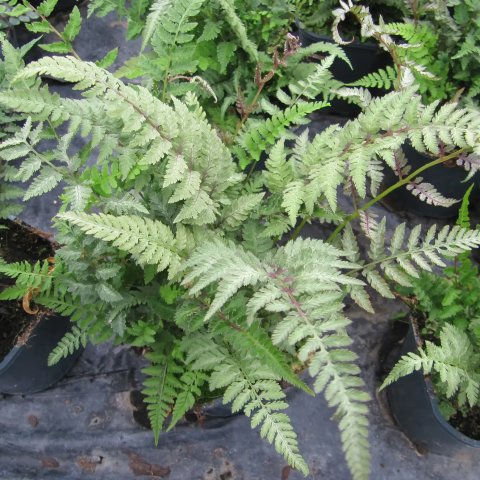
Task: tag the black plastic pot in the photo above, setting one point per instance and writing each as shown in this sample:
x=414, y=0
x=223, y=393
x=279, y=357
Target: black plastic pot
x=447, y=180
x=24, y=369
x=365, y=58
x=415, y=408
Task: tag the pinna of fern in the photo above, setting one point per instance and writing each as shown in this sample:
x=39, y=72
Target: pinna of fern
x=168, y=245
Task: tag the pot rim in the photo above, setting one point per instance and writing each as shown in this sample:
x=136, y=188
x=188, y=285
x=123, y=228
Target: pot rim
x=9, y=358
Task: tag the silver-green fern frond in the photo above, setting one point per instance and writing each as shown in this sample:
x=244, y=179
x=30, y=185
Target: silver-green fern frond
x=308, y=294
x=453, y=360
x=408, y=255
x=250, y=386
x=150, y=242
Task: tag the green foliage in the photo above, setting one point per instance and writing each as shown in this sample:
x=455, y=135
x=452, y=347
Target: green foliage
x=449, y=309
x=46, y=7
x=37, y=277
x=35, y=19
x=250, y=386
x=438, y=44
x=153, y=19
x=463, y=219
x=257, y=135
x=238, y=27
x=454, y=360
x=167, y=245
x=9, y=193
x=67, y=345
x=189, y=392
x=380, y=79
x=13, y=13
x=207, y=47
x=160, y=387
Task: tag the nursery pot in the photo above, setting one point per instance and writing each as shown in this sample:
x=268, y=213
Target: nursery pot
x=365, y=58
x=414, y=406
x=448, y=180
x=24, y=369
x=28, y=339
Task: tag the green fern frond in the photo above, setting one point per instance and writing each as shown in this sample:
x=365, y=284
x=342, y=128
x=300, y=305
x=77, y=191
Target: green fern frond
x=37, y=277
x=238, y=27
x=235, y=214
x=255, y=342
x=463, y=219
x=8, y=195
x=70, y=342
x=278, y=171
x=254, y=241
x=453, y=360
x=191, y=383
x=154, y=17
x=172, y=38
x=380, y=79
x=252, y=387
x=160, y=388
x=467, y=48
x=318, y=83
x=59, y=301
x=329, y=48
x=258, y=135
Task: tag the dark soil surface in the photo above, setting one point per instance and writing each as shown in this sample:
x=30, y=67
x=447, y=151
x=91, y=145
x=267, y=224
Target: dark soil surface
x=18, y=243
x=469, y=425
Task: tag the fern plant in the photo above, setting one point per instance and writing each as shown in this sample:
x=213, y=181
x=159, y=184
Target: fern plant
x=447, y=309
x=439, y=42
x=168, y=245
x=237, y=54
